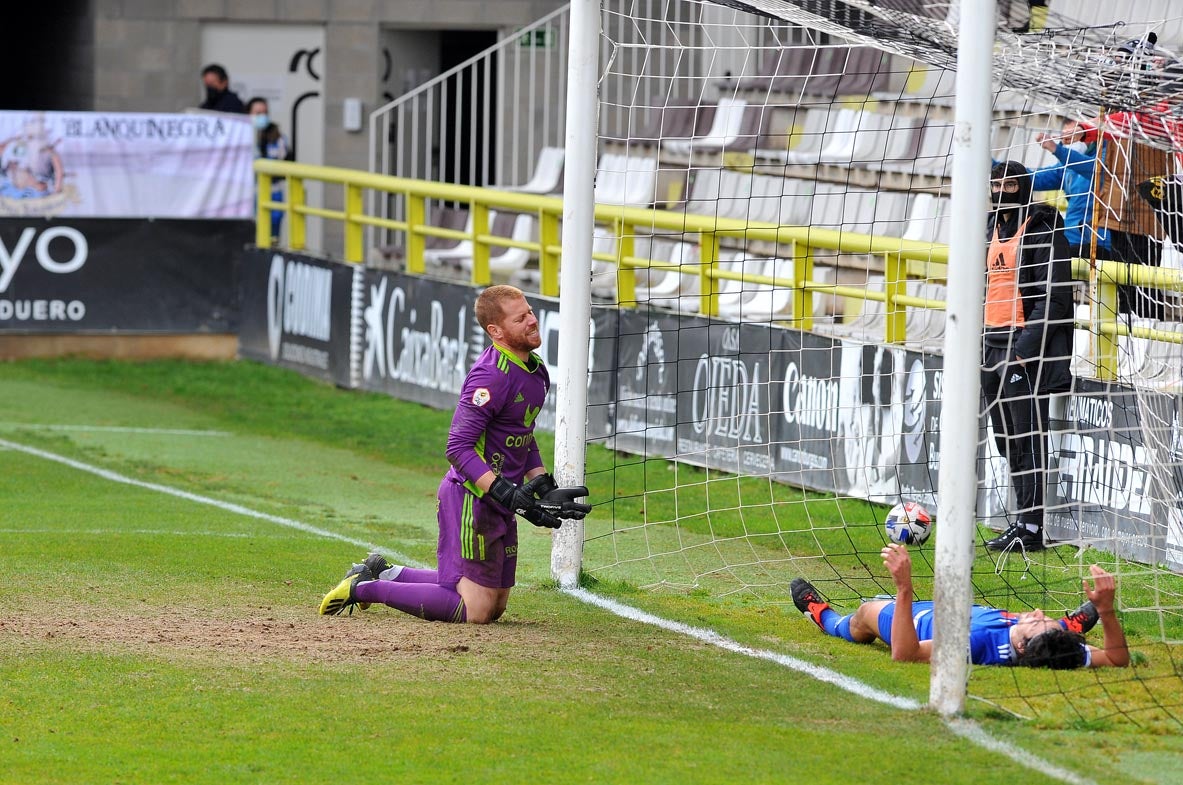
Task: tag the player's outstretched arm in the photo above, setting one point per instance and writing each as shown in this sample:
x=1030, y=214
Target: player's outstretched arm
x=905, y=644
x=1114, y=650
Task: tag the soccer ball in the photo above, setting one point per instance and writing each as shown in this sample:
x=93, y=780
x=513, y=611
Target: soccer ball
x=908, y=523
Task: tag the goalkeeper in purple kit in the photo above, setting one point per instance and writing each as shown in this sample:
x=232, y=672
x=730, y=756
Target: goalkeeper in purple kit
x=496, y=472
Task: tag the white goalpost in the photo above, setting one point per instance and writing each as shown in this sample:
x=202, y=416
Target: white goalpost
x=952, y=589
x=773, y=269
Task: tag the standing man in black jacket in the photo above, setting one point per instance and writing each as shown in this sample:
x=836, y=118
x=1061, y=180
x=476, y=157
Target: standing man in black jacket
x=218, y=95
x=1027, y=339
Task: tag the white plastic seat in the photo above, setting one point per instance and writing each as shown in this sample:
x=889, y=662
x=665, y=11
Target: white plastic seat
x=459, y=250
x=925, y=84
x=761, y=302
x=925, y=327
x=806, y=140
x=1162, y=366
x=667, y=288
x=842, y=126
x=503, y=260
x=548, y=173
x=928, y=219
x=889, y=213
x=626, y=180
x=933, y=154
x=724, y=132
x=869, y=324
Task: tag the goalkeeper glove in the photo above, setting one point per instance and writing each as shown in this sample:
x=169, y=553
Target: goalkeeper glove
x=559, y=502
x=517, y=499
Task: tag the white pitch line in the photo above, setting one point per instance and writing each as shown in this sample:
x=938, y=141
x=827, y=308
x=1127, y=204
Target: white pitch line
x=715, y=639
x=966, y=729
x=238, y=509
x=111, y=429
x=145, y=532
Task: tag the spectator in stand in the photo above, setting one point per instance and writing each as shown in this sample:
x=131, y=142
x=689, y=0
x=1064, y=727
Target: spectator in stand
x=218, y=95
x=1075, y=150
x=1133, y=150
x=273, y=145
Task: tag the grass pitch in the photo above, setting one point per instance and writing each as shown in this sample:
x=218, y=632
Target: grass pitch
x=147, y=638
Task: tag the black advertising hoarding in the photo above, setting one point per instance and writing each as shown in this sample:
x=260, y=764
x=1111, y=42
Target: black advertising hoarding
x=296, y=313
x=920, y=427
x=419, y=337
x=113, y=275
x=805, y=410
x=723, y=396
x=646, y=383
x=1111, y=479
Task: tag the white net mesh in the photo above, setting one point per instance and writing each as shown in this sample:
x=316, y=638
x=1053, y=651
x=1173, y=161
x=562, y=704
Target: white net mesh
x=782, y=311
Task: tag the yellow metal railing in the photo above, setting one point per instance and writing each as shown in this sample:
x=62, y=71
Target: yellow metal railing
x=903, y=259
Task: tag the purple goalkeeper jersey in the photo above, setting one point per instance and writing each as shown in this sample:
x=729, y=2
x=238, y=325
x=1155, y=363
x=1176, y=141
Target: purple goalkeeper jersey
x=493, y=427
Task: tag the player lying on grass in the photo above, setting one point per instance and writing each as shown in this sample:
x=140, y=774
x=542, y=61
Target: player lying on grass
x=996, y=637
x=496, y=472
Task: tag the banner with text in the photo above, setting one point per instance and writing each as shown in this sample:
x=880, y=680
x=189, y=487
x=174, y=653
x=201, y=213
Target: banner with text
x=110, y=275
x=126, y=165
x=296, y=313
x=420, y=336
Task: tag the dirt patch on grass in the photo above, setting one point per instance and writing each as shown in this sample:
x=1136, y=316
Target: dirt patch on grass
x=262, y=634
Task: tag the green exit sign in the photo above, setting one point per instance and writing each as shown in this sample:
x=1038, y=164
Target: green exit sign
x=540, y=38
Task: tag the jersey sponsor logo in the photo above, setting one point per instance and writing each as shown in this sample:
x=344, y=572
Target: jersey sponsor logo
x=531, y=413
x=519, y=440
x=511, y=551
x=481, y=396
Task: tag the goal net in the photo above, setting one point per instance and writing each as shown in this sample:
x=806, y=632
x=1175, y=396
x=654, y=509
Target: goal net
x=782, y=313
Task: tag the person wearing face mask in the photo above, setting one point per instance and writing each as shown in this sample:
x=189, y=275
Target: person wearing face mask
x=1027, y=339
x=271, y=144
x=218, y=95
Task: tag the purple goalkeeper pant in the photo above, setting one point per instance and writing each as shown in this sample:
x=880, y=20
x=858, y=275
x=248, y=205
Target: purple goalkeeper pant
x=478, y=539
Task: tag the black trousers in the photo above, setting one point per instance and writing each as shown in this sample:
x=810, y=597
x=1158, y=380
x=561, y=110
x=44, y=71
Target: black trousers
x=1019, y=416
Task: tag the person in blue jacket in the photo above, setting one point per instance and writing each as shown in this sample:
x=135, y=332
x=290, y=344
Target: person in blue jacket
x=1076, y=155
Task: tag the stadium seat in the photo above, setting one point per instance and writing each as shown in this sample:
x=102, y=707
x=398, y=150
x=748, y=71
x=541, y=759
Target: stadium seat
x=759, y=302
x=627, y=180
x=678, y=119
x=868, y=325
x=450, y=250
x=521, y=227
x=806, y=139
x=548, y=173
x=603, y=277
x=783, y=71
x=667, y=288
x=928, y=219
x=925, y=327
x=1162, y=366
x=933, y=154
x=842, y=126
x=925, y=84
x=726, y=125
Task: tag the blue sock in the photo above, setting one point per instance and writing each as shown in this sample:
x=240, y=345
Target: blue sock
x=836, y=625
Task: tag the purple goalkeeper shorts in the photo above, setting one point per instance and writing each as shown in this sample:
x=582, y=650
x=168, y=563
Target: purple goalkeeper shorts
x=478, y=539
